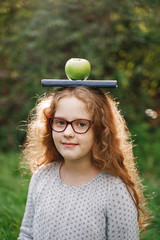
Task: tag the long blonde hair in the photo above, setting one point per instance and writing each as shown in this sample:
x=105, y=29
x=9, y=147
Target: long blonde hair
x=113, y=148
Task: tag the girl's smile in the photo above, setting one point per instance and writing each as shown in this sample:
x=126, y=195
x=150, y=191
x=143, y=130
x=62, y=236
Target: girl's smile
x=69, y=144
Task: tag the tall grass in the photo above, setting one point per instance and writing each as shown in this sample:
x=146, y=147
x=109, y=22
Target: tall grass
x=13, y=192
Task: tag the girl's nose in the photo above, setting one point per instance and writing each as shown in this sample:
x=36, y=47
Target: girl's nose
x=69, y=131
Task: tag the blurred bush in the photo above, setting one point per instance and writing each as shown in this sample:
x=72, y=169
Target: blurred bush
x=119, y=38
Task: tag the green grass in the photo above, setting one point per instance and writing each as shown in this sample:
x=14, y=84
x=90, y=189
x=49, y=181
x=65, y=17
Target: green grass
x=13, y=192
x=14, y=187
x=153, y=193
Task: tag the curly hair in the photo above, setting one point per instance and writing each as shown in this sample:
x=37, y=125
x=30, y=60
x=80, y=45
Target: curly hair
x=113, y=147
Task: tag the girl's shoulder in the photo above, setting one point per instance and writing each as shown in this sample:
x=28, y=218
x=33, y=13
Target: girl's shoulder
x=113, y=184
x=111, y=179
x=45, y=171
x=118, y=192
x=48, y=167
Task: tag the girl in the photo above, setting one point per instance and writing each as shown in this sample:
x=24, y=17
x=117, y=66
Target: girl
x=86, y=185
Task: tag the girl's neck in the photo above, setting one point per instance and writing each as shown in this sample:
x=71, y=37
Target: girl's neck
x=76, y=173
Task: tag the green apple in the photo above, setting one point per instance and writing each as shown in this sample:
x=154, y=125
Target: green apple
x=77, y=69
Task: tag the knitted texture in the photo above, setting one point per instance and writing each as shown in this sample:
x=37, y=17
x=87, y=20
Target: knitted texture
x=100, y=209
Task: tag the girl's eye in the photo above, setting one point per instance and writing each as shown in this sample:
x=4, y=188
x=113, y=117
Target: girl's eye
x=59, y=122
x=82, y=124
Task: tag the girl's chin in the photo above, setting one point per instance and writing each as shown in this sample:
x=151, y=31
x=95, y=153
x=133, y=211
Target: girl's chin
x=68, y=158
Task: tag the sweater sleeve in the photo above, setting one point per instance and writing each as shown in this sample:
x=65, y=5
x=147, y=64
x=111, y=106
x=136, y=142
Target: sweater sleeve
x=122, y=215
x=26, y=230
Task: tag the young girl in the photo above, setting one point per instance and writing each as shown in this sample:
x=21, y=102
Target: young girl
x=86, y=185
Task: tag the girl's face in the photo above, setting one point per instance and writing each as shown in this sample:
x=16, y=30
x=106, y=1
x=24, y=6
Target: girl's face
x=71, y=145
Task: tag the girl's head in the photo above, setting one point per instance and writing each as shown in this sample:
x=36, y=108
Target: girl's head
x=111, y=150
x=108, y=128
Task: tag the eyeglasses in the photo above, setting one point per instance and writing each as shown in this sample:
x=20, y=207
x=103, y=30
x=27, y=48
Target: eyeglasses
x=78, y=125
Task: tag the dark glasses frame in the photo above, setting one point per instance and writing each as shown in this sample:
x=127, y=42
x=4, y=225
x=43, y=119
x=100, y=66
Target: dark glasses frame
x=69, y=123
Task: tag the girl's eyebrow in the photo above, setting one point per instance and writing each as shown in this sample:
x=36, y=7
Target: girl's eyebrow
x=72, y=119
x=80, y=118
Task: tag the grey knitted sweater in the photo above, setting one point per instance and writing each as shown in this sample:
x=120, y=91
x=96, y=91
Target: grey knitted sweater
x=100, y=209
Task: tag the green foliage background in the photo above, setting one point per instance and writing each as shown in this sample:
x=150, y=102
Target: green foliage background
x=121, y=41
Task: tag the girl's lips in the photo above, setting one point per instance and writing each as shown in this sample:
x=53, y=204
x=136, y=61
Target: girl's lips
x=69, y=144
